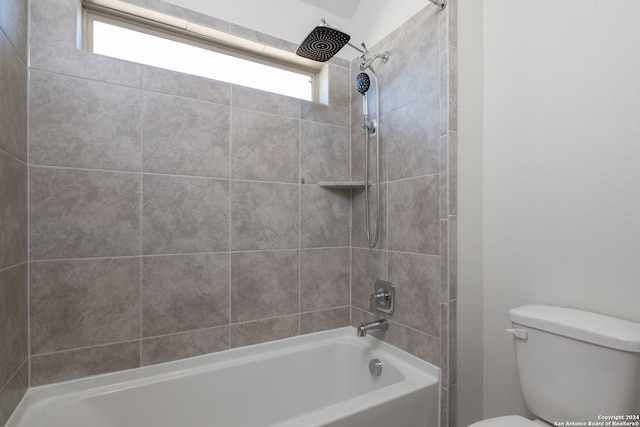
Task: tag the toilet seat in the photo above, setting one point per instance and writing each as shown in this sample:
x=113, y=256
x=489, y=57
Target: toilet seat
x=508, y=421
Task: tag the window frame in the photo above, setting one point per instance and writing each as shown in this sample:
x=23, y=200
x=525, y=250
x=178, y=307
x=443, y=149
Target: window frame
x=231, y=45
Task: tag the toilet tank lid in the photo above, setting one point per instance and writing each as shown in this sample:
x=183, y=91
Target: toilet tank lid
x=581, y=325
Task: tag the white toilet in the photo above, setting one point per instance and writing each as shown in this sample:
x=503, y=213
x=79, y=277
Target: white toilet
x=574, y=366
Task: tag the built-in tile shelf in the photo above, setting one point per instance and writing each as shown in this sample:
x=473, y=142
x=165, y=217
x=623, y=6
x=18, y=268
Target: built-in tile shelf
x=343, y=185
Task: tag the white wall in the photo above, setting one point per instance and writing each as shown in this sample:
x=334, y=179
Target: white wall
x=561, y=168
x=470, y=276
x=292, y=20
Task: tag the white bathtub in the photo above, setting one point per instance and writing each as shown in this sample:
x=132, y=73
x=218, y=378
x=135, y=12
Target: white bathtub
x=320, y=379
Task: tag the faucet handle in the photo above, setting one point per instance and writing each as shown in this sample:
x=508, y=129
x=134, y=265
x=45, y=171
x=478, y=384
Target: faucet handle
x=378, y=299
x=383, y=297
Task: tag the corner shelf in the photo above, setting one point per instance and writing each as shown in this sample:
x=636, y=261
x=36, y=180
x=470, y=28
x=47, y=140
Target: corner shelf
x=343, y=185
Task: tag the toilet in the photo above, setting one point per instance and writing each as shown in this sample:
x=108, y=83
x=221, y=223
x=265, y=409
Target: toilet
x=574, y=366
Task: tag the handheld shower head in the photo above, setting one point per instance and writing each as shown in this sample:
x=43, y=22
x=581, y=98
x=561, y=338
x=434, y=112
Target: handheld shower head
x=362, y=83
x=322, y=43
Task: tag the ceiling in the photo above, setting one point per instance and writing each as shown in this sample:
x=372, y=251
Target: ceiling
x=344, y=8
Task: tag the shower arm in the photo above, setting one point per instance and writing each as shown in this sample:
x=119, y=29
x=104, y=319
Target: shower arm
x=367, y=62
x=363, y=52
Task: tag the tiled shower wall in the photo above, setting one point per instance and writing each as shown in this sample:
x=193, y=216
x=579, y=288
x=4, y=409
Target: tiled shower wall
x=417, y=247
x=13, y=205
x=167, y=214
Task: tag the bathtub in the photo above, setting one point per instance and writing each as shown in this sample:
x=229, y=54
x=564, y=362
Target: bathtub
x=320, y=379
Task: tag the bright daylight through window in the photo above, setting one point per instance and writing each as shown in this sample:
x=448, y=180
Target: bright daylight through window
x=109, y=38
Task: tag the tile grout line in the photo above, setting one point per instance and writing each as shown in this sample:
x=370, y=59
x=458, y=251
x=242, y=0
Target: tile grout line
x=300, y=184
x=140, y=264
x=28, y=195
x=230, y=212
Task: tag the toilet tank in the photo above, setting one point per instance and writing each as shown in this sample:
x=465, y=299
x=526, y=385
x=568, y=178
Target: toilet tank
x=576, y=366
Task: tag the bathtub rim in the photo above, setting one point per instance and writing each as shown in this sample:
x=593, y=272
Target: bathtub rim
x=146, y=375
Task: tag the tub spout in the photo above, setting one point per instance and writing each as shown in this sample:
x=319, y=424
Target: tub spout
x=377, y=325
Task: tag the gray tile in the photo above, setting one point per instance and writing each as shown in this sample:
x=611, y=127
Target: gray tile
x=412, y=70
x=358, y=217
x=367, y=266
x=265, y=102
x=13, y=99
x=13, y=321
x=412, y=136
x=324, y=320
x=324, y=152
x=53, y=41
x=324, y=278
x=263, y=284
x=72, y=364
x=444, y=261
x=444, y=176
x=264, y=147
x=183, y=345
x=444, y=408
x=325, y=217
x=452, y=16
x=14, y=21
x=453, y=257
x=414, y=215
x=358, y=153
x=417, y=281
x=264, y=216
x=186, y=85
x=420, y=18
x=444, y=103
x=339, y=97
x=183, y=13
x=453, y=173
x=421, y=345
x=184, y=292
x=185, y=137
x=444, y=345
x=83, y=303
x=77, y=213
x=249, y=34
x=453, y=405
x=449, y=344
x=13, y=211
x=82, y=123
x=250, y=333
x=182, y=215
x=12, y=393
x=453, y=88
x=448, y=90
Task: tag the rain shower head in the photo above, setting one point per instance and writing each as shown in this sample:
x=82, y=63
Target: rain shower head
x=322, y=43
x=362, y=83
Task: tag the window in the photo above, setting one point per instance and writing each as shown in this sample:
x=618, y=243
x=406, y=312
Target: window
x=135, y=34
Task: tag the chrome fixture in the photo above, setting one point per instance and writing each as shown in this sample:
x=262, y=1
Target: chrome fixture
x=379, y=325
x=440, y=3
x=375, y=367
x=322, y=43
x=371, y=128
x=383, y=297
x=367, y=63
